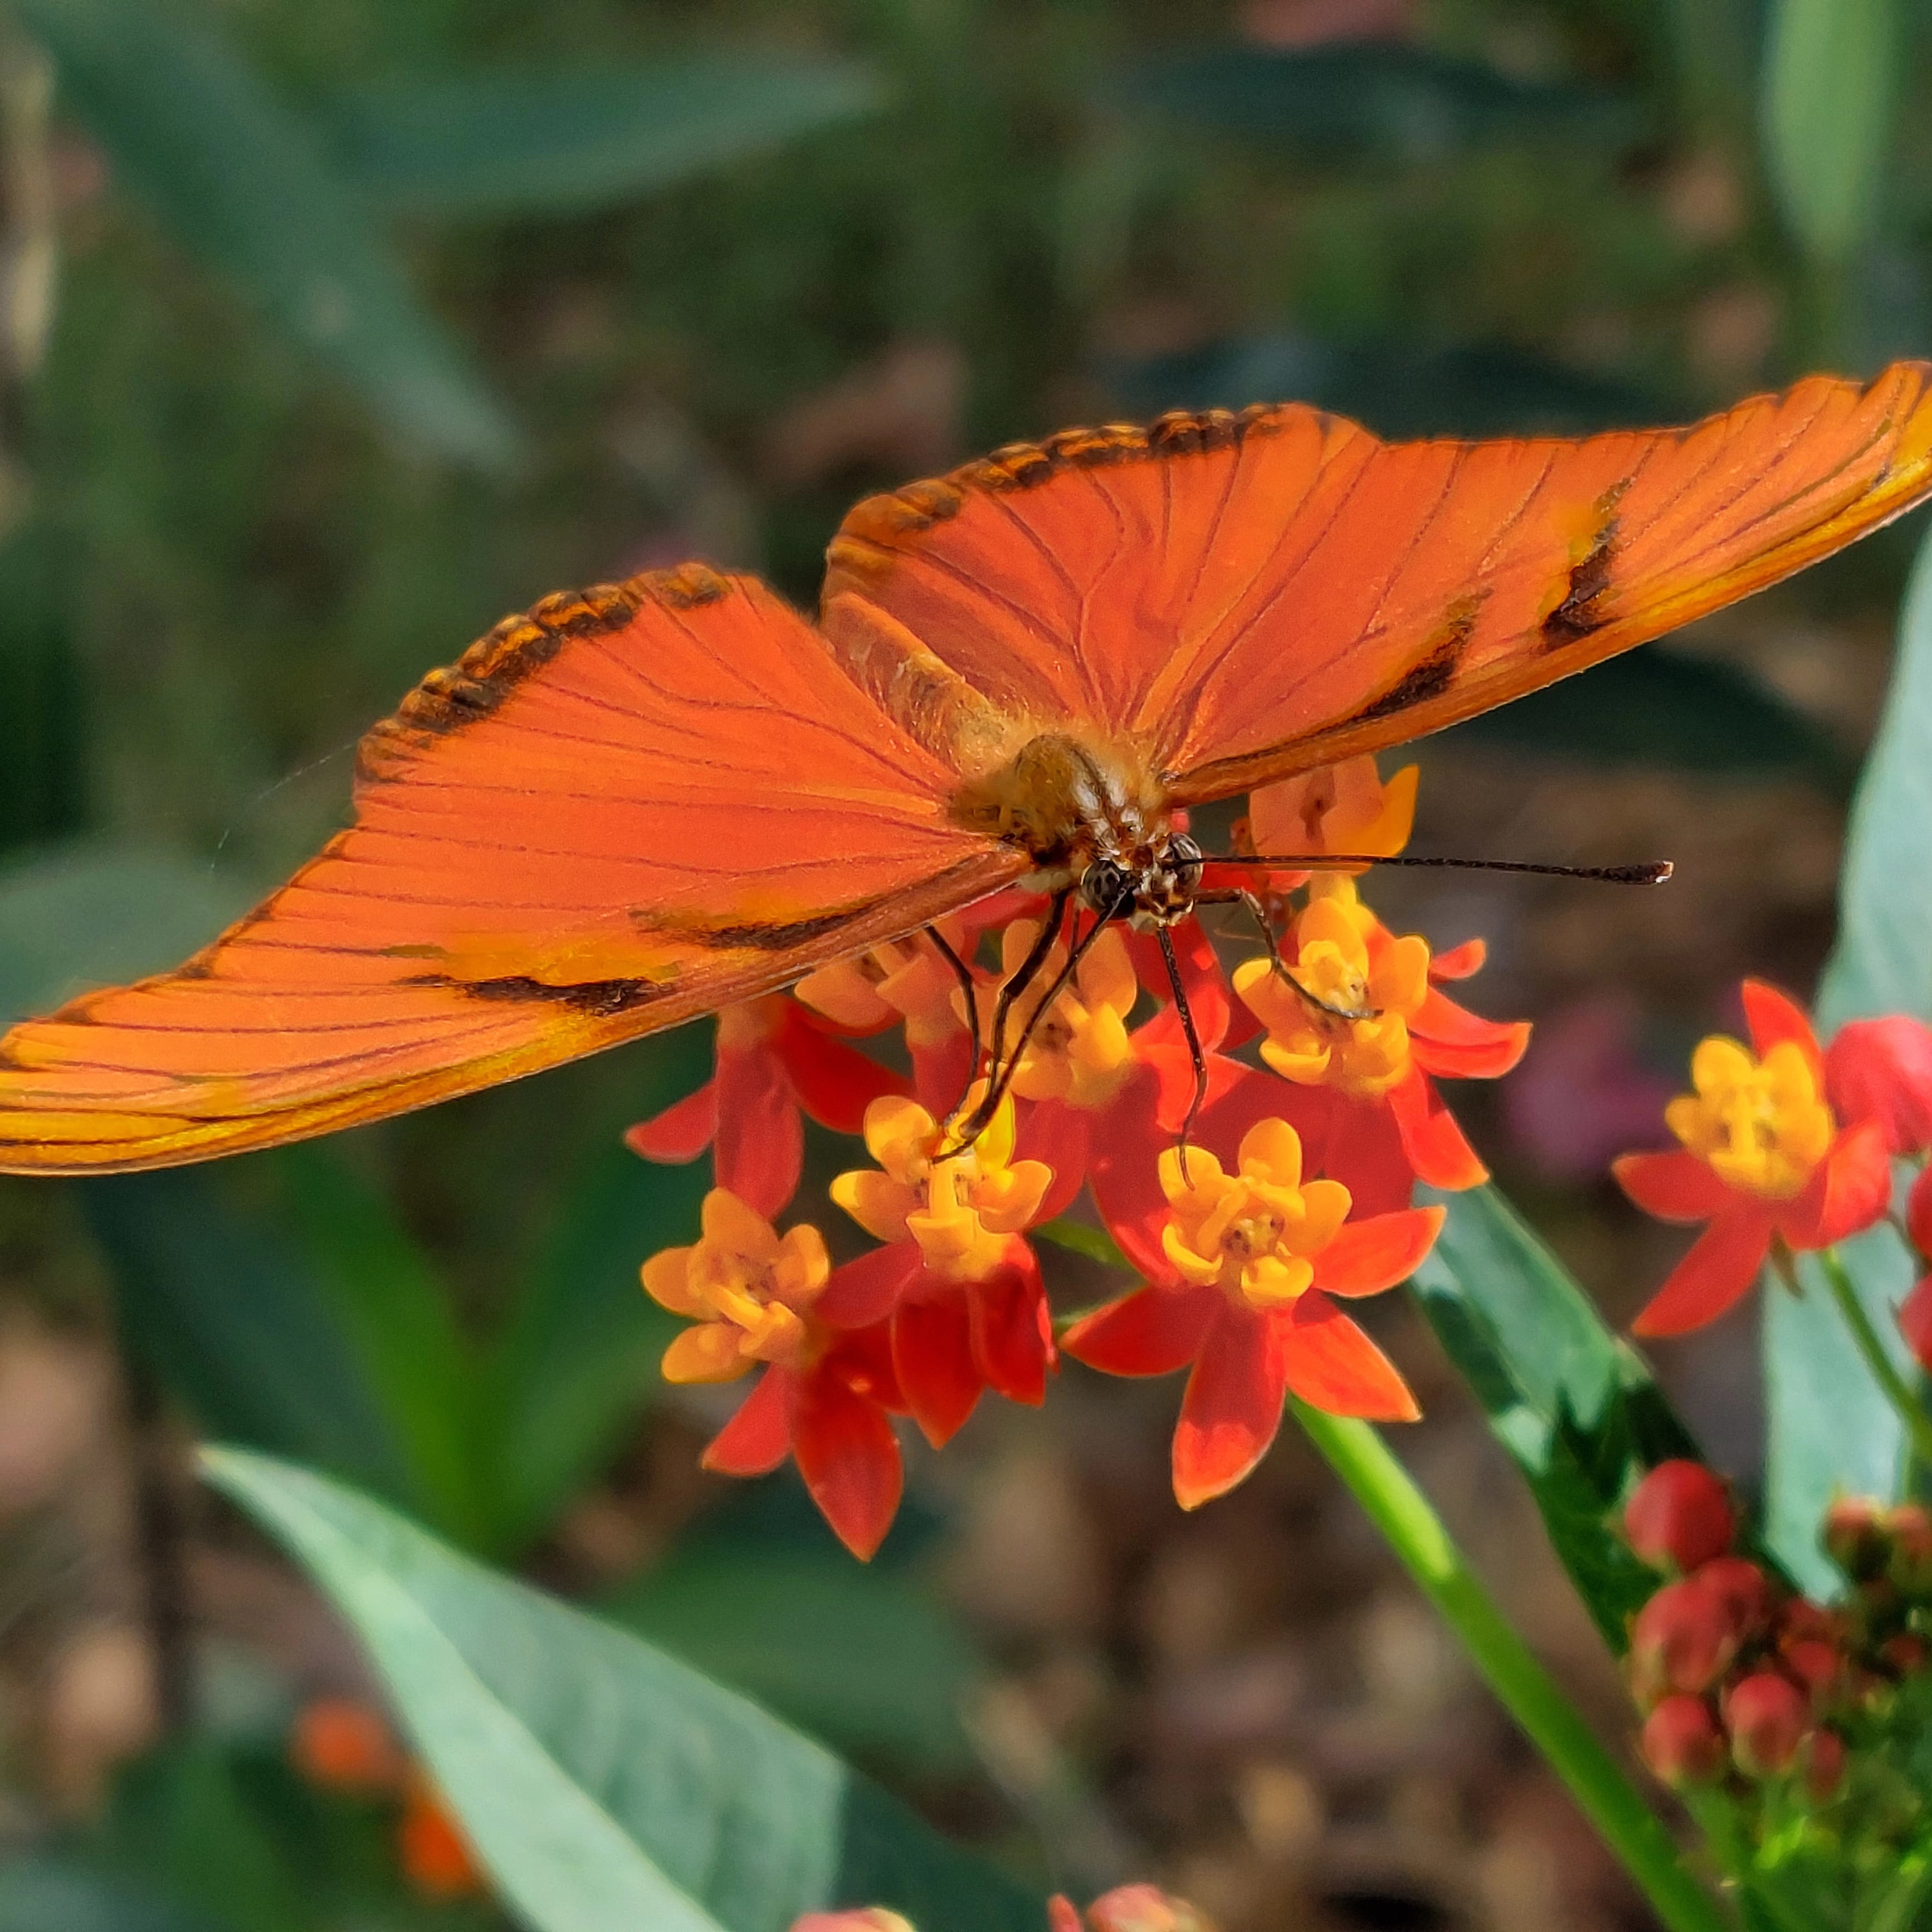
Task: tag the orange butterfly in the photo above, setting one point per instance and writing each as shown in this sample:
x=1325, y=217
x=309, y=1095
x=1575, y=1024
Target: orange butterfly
x=637, y=804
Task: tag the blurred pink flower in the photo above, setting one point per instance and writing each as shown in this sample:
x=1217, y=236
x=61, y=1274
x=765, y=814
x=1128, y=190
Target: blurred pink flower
x=1582, y=1095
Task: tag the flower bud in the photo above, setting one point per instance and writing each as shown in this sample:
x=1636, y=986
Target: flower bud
x=339, y=1744
x=1144, y=1908
x=1683, y=1639
x=1918, y=1213
x=1824, y=1766
x=1903, y=1655
x=1767, y=1719
x=1853, y=1539
x=1679, y=1517
x=1681, y=1743
x=1817, y=1667
x=1910, y=1530
x=1914, y=1318
x=876, y=1918
x=1744, y=1591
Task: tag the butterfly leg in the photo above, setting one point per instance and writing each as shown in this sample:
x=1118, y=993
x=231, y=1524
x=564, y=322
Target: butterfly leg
x=1193, y=1038
x=964, y=974
x=1001, y=1075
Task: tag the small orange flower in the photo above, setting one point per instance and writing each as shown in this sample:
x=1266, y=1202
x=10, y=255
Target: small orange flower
x=1763, y=1160
x=748, y=1289
x=1253, y=1259
x=965, y=1209
x=1344, y=807
x=1079, y=1051
x=435, y=1856
x=341, y=1744
x=1348, y=1028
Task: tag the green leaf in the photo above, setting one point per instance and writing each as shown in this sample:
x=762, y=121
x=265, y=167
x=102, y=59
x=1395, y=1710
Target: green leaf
x=247, y=185
x=1830, y=86
x=861, y=1657
x=235, y=1323
x=42, y=724
x=603, y=1784
x=44, y=1895
x=397, y=1317
x=1337, y=101
x=525, y=142
x=91, y=912
x=579, y=1356
x=1829, y=1427
x=1572, y=1403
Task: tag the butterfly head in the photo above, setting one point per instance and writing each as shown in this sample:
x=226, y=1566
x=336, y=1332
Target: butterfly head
x=1153, y=886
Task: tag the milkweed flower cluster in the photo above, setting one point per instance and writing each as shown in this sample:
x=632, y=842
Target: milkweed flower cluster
x=1288, y=1196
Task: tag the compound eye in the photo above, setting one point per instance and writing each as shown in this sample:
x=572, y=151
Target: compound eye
x=1104, y=884
x=1183, y=852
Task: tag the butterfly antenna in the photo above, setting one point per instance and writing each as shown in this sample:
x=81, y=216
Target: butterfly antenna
x=1648, y=872
x=1196, y=1056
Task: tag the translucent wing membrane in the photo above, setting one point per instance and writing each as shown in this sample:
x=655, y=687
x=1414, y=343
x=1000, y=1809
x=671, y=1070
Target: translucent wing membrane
x=626, y=808
x=1250, y=595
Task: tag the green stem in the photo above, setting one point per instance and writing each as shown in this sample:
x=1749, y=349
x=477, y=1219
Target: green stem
x=1884, y=1370
x=1416, y=1534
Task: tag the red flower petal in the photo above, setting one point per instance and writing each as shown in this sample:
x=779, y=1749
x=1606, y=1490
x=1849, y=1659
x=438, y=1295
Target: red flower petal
x=1459, y=962
x=1918, y=1212
x=682, y=1131
x=760, y=1151
x=1367, y=1256
x=866, y=1290
x=1672, y=1186
x=940, y=1072
x=1232, y=1409
x=1061, y=1136
x=1915, y=1321
x=1151, y=1332
x=1722, y=1263
x=850, y=1459
x=833, y=1082
x=1772, y=1017
x=932, y=1356
x=1450, y=1040
x=1332, y=1365
x=1430, y=1138
x=754, y=1441
x=1858, y=1185
x=1012, y=1331
x=1882, y=1070
x=1363, y=1150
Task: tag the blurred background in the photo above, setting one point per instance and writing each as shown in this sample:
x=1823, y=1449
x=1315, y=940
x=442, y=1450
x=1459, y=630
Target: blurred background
x=330, y=330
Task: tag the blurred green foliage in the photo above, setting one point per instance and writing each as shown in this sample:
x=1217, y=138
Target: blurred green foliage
x=373, y=321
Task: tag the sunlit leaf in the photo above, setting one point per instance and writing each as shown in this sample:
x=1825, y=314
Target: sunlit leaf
x=558, y=141
x=862, y=1657
x=603, y=1783
x=1831, y=85
x=1829, y=1428
x=1572, y=1403
x=247, y=184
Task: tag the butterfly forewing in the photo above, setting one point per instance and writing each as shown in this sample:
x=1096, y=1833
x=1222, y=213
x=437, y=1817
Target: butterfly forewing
x=632, y=807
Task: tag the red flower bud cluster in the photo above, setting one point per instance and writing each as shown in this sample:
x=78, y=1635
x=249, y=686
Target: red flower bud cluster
x=342, y=1744
x=1743, y=1682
